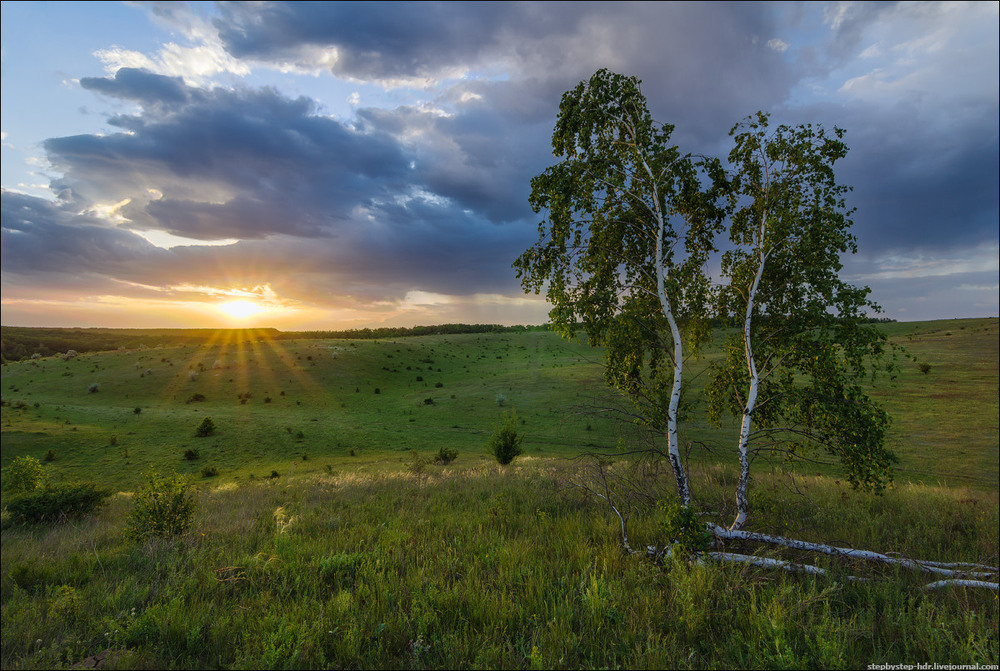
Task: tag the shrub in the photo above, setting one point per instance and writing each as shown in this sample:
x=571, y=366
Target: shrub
x=93, y=388
x=206, y=428
x=50, y=455
x=196, y=398
x=137, y=410
x=162, y=508
x=925, y=368
x=113, y=441
x=505, y=443
x=209, y=472
x=428, y=401
x=24, y=474
x=501, y=399
x=445, y=455
x=417, y=464
x=191, y=454
x=50, y=504
x=681, y=525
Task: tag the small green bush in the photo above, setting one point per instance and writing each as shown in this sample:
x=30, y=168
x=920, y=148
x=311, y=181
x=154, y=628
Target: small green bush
x=445, y=455
x=191, y=454
x=50, y=455
x=925, y=368
x=505, y=443
x=209, y=471
x=683, y=529
x=56, y=502
x=206, y=428
x=93, y=388
x=24, y=474
x=163, y=507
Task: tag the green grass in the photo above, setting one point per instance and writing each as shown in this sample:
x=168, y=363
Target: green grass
x=383, y=559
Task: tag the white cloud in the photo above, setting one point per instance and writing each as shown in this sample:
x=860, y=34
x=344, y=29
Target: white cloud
x=778, y=45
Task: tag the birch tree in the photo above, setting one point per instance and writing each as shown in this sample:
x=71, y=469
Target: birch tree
x=622, y=249
x=629, y=226
x=802, y=345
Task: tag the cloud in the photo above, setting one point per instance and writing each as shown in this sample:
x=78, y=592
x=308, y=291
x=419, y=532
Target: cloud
x=425, y=199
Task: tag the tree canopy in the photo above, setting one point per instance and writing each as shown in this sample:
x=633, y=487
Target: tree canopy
x=630, y=226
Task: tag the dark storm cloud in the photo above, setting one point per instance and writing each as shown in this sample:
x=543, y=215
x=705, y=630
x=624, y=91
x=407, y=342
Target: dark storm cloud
x=393, y=40
x=40, y=236
x=924, y=174
x=243, y=163
x=139, y=86
x=699, y=60
x=434, y=196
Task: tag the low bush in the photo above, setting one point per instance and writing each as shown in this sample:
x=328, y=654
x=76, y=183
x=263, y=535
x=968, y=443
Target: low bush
x=56, y=502
x=505, y=443
x=445, y=455
x=209, y=472
x=191, y=454
x=206, y=428
x=687, y=534
x=24, y=474
x=93, y=388
x=163, y=507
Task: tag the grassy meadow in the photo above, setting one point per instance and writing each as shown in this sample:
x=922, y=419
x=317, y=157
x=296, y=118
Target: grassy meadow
x=328, y=537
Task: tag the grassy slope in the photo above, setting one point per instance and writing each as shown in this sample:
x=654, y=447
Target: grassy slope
x=381, y=562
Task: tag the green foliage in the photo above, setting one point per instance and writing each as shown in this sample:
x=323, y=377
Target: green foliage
x=505, y=442
x=627, y=233
x=445, y=455
x=340, y=571
x=924, y=367
x=163, y=507
x=191, y=454
x=50, y=455
x=206, y=428
x=56, y=502
x=815, y=349
x=24, y=474
x=209, y=471
x=684, y=531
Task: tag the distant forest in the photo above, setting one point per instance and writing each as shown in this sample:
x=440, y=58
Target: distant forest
x=20, y=342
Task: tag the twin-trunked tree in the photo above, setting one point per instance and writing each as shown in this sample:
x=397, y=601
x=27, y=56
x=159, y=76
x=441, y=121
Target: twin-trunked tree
x=630, y=226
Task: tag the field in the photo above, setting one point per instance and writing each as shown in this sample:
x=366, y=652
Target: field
x=328, y=537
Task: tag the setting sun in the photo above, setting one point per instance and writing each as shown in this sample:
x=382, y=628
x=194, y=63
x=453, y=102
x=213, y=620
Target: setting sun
x=241, y=309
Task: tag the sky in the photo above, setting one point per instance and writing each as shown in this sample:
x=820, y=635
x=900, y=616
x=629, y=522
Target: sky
x=339, y=165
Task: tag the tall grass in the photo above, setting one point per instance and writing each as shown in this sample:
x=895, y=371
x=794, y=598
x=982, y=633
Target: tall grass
x=478, y=566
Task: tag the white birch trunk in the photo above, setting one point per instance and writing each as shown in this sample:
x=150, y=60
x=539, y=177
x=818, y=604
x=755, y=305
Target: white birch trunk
x=742, y=501
x=962, y=569
x=673, y=442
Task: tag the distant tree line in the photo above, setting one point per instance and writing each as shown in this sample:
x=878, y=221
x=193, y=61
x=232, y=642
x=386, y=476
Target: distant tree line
x=21, y=342
x=403, y=331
